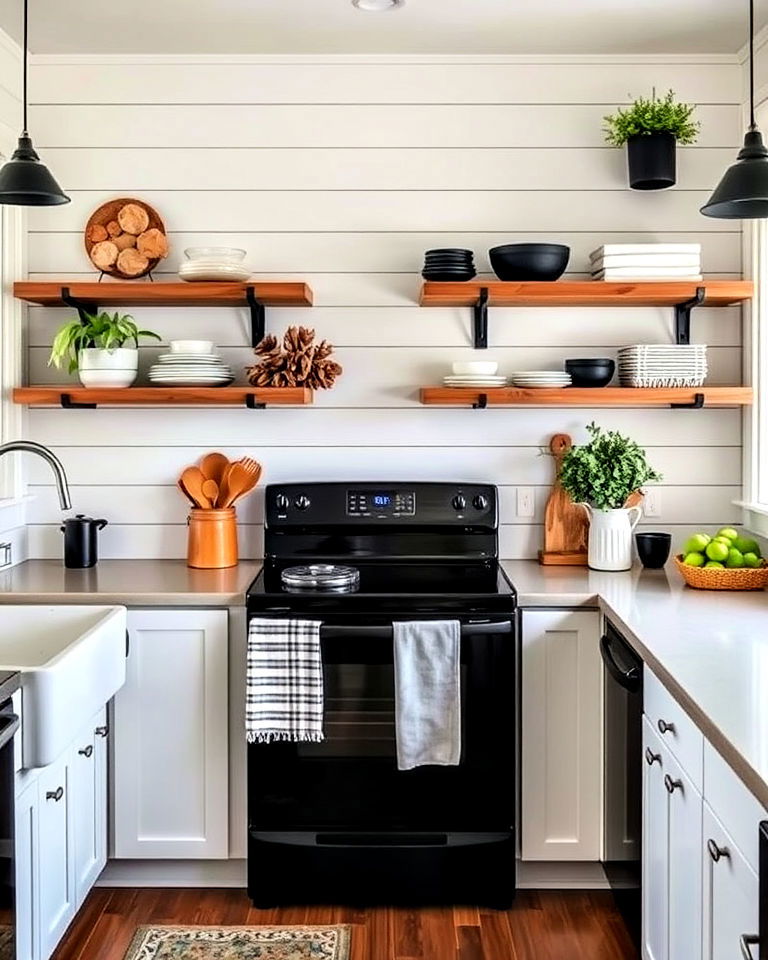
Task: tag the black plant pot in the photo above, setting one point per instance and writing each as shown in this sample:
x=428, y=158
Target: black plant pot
x=652, y=160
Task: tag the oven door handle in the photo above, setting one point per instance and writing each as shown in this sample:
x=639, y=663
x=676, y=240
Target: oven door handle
x=385, y=632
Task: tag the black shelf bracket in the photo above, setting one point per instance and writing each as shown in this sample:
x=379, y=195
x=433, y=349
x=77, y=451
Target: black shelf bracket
x=258, y=316
x=482, y=402
x=698, y=403
x=252, y=403
x=480, y=318
x=683, y=316
x=69, y=404
x=82, y=306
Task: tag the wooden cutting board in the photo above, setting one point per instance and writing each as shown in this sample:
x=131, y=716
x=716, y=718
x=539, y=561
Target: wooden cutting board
x=565, y=523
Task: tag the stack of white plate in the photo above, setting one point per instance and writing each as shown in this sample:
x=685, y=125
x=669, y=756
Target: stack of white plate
x=541, y=378
x=662, y=365
x=190, y=370
x=214, y=264
x=475, y=373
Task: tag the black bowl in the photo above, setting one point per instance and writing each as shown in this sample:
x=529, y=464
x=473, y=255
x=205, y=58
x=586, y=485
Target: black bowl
x=448, y=276
x=591, y=373
x=653, y=549
x=529, y=261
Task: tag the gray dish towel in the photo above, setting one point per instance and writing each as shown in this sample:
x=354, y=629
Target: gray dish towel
x=427, y=693
x=284, y=681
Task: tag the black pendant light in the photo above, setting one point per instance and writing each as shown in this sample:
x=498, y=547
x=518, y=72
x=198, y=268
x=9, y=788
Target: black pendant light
x=742, y=194
x=24, y=180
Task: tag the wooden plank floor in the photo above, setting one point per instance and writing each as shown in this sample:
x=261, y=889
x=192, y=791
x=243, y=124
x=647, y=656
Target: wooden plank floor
x=552, y=925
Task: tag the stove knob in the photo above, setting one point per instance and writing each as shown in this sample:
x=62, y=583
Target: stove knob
x=480, y=502
x=302, y=502
x=459, y=502
x=282, y=502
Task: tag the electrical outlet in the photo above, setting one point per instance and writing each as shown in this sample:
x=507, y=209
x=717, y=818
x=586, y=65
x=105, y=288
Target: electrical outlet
x=526, y=503
x=652, y=503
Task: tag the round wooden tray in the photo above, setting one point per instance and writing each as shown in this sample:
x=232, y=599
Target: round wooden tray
x=108, y=211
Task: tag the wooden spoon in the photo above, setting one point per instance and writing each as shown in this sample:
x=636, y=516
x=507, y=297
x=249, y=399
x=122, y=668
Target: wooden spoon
x=211, y=490
x=213, y=465
x=193, y=480
x=183, y=489
x=239, y=481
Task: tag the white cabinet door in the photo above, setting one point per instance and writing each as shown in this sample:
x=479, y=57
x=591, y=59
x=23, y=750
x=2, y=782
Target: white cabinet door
x=730, y=893
x=561, y=815
x=655, y=907
x=27, y=875
x=685, y=861
x=89, y=806
x=170, y=738
x=54, y=857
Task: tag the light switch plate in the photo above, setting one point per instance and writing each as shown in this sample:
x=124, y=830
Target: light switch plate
x=652, y=503
x=526, y=502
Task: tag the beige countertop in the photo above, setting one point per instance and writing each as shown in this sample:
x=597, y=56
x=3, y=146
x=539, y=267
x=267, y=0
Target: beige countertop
x=709, y=648
x=135, y=583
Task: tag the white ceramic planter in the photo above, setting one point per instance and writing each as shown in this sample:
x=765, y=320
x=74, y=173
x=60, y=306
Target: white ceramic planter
x=108, y=368
x=610, y=537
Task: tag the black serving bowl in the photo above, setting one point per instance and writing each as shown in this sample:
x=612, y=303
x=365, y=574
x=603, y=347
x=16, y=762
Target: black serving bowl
x=591, y=373
x=653, y=549
x=529, y=261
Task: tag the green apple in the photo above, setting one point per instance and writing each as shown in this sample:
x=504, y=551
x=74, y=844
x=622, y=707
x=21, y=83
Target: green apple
x=751, y=560
x=717, y=551
x=694, y=559
x=747, y=545
x=735, y=558
x=724, y=540
x=713, y=565
x=697, y=543
x=728, y=532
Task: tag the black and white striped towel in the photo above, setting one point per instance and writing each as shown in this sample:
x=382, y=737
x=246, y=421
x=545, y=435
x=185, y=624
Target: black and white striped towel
x=284, y=681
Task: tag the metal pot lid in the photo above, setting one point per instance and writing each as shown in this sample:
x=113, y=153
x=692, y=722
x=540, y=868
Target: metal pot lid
x=321, y=576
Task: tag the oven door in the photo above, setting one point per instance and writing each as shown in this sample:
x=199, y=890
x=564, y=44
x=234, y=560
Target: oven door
x=351, y=781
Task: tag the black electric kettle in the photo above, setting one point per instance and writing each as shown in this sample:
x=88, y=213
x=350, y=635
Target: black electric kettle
x=80, y=541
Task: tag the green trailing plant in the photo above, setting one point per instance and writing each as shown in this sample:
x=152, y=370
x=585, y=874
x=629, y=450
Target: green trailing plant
x=605, y=471
x=645, y=117
x=100, y=330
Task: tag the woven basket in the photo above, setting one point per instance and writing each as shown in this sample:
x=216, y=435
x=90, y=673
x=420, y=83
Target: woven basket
x=710, y=578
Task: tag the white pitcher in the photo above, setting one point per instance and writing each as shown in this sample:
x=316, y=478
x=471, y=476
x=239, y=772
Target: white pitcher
x=610, y=537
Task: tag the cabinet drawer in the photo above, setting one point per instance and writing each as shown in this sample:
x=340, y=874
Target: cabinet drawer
x=675, y=727
x=733, y=804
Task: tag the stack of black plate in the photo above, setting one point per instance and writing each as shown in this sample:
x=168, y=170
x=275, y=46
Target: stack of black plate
x=450, y=263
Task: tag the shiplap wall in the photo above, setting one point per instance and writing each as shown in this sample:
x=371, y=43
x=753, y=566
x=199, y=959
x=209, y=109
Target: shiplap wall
x=342, y=172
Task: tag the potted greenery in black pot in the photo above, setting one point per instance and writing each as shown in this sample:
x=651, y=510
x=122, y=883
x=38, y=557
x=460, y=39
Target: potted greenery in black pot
x=651, y=130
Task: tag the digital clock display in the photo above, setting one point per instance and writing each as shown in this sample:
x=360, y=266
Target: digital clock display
x=382, y=499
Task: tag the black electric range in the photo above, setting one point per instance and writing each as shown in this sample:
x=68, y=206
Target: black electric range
x=336, y=821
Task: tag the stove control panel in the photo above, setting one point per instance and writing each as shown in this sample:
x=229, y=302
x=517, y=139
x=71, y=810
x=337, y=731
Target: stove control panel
x=381, y=503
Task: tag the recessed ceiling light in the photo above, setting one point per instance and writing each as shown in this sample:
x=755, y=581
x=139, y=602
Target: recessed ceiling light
x=376, y=5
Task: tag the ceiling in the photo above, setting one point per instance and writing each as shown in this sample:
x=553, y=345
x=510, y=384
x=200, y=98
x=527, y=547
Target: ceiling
x=420, y=26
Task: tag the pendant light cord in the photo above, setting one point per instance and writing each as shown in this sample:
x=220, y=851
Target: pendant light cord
x=752, y=124
x=25, y=53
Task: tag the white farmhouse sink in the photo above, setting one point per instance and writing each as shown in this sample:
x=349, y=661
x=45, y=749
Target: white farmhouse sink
x=72, y=661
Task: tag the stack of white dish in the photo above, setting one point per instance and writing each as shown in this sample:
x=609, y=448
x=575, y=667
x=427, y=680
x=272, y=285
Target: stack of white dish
x=191, y=363
x=478, y=373
x=662, y=365
x=214, y=264
x=646, y=261
x=541, y=378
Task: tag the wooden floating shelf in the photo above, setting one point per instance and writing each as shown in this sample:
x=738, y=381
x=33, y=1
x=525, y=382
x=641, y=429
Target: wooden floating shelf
x=584, y=293
x=586, y=396
x=142, y=294
x=74, y=396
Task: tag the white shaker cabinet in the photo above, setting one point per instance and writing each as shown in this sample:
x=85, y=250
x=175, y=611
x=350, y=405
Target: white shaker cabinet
x=27, y=874
x=89, y=802
x=55, y=860
x=170, y=738
x=562, y=735
x=655, y=848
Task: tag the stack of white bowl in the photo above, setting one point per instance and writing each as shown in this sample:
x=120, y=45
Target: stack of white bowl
x=214, y=264
x=190, y=363
x=476, y=373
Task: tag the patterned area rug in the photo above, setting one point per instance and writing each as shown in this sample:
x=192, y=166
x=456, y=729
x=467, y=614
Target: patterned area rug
x=240, y=943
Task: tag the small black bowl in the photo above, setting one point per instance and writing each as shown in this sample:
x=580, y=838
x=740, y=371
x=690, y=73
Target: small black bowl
x=529, y=261
x=653, y=549
x=591, y=373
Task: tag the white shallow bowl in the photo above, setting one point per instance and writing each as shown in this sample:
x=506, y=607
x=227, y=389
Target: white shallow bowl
x=192, y=346
x=485, y=367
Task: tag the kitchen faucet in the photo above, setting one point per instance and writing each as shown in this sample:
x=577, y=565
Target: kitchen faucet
x=27, y=446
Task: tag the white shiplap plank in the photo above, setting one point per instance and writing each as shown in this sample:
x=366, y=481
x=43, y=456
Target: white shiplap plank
x=386, y=252
x=467, y=83
x=266, y=126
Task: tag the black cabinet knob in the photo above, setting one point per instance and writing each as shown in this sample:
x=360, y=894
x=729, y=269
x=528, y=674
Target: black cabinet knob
x=282, y=502
x=716, y=852
x=459, y=502
x=480, y=502
x=302, y=502
x=665, y=727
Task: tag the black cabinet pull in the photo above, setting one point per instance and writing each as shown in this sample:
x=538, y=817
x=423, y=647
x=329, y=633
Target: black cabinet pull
x=745, y=941
x=102, y=731
x=717, y=852
x=651, y=757
x=56, y=794
x=665, y=727
x=86, y=751
x=671, y=784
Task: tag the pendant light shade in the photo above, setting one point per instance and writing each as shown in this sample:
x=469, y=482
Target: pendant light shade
x=742, y=194
x=24, y=180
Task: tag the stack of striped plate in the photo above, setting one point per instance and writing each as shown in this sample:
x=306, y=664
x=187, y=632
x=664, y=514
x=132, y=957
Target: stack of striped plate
x=190, y=370
x=662, y=365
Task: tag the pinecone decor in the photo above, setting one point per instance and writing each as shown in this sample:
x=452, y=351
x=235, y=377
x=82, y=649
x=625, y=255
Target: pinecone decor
x=298, y=362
